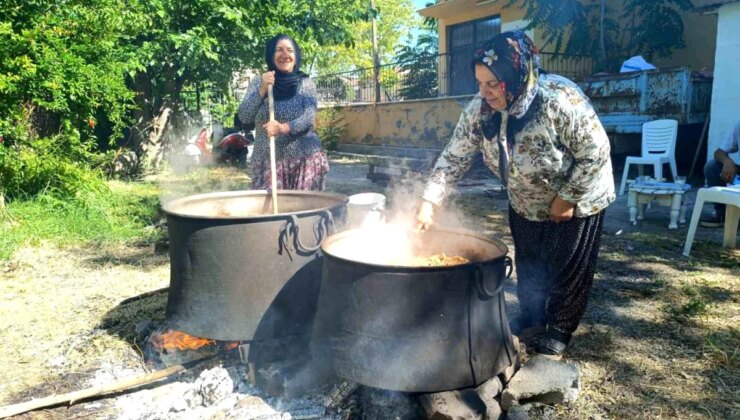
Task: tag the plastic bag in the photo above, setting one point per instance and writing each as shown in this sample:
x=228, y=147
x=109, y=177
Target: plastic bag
x=636, y=63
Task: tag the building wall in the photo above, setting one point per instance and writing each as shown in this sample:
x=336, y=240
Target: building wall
x=726, y=89
x=700, y=35
x=699, y=30
x=426, y=123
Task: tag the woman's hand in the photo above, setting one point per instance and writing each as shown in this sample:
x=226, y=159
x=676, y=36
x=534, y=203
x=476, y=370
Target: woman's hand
x=268, y=78
x=275, y=128
x=424, y=218
x=561, y=210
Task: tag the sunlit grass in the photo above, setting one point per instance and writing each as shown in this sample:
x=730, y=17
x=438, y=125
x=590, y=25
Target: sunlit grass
x=120, y=215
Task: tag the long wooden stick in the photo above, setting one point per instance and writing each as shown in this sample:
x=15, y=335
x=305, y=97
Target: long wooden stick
x=273, y=169
x=698, y=146
x=84, y=394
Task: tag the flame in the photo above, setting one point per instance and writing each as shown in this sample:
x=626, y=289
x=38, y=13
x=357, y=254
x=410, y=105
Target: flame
x=171, y=340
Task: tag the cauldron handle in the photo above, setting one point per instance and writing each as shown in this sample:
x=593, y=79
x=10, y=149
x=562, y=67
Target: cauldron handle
x=480, y=278
x=509, y=263
x=323, y=228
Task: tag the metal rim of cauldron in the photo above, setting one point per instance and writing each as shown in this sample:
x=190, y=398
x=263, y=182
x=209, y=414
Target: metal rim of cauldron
x=405, y=268
x=167, y=207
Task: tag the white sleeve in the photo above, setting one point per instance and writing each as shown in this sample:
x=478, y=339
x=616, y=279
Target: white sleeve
x=731, y=144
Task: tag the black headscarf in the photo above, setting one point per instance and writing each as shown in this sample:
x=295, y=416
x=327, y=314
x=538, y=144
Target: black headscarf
x=286, y=83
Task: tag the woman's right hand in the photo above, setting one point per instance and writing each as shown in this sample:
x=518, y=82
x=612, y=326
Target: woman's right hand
x=268, y=78
x=424, y=217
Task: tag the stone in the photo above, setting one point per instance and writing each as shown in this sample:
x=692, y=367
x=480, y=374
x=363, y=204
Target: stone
x=494, y=410
x=453, y=405
x=214, y=385
x=518, y=412
x=510, y=371
x=489, y=390
x=542, y=380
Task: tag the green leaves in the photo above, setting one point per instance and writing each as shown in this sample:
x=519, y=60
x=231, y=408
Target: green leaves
x=80, y=70
x=589, y=27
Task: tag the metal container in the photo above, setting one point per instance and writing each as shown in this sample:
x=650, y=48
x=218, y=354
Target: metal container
x=240, y=273
x=415, y=329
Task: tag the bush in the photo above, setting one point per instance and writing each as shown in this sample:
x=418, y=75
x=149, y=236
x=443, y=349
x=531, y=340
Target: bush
x=44, y=167
x=329, y=126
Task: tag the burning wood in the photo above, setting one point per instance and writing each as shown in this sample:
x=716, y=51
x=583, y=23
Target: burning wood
x=166, y=347
x=177, y=340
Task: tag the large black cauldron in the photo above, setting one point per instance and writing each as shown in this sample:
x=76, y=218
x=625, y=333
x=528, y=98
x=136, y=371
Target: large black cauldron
x=238, y=272
x=415, y=329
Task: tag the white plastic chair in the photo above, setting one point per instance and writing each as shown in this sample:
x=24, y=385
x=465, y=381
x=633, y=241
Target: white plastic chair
x=731, y=198
x=658, y=148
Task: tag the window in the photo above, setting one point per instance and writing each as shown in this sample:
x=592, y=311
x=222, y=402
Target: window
x=463, y=39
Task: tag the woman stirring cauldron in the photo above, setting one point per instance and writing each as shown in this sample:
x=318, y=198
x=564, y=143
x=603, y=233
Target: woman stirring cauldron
x=301, y=163
x=539, y=133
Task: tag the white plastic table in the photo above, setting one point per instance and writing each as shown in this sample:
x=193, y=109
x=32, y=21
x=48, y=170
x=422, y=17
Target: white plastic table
x=664, y=193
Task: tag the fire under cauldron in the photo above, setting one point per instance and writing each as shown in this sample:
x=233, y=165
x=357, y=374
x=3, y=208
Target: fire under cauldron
x=241, y=273
x=415, y=329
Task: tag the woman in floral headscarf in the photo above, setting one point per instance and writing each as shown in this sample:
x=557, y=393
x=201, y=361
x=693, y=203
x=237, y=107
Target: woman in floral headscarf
x=540, y=135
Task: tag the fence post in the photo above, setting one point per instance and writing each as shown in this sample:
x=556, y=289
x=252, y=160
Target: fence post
x=376, y=59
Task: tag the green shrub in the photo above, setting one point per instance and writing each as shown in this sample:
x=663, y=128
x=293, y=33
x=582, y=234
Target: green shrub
x=330, y=127
x=44, y=167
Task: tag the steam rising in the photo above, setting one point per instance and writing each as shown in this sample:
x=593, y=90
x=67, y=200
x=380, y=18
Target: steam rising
x=394, y=239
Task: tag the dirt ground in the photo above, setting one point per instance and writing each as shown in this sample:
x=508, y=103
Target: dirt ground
x=660, y=339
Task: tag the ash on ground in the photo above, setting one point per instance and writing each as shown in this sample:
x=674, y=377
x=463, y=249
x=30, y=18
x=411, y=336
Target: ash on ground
x=223, y=392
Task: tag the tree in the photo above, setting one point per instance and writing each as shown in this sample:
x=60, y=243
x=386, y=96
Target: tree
x=62, y=68
x=396, y=18
x=202, y=42
x=81, y=71
x=651, y=28
x=420, y=63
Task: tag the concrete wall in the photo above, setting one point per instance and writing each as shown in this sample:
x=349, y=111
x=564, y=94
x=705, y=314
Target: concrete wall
x=424, y=123
x=726, y=89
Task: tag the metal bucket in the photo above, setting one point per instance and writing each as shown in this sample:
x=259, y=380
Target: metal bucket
x=365, y=208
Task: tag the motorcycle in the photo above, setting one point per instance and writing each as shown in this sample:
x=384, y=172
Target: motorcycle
x=231, y=149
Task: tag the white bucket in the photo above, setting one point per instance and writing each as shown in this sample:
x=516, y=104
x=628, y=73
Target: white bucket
x=366, y=209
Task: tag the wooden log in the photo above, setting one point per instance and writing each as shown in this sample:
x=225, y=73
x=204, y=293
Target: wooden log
x=74, y=397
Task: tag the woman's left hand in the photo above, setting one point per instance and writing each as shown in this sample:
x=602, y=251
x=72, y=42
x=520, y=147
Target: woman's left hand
x=561, y=210
x=275, y=129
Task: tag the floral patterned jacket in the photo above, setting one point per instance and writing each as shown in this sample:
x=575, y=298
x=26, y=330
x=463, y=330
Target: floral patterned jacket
x=562, y=150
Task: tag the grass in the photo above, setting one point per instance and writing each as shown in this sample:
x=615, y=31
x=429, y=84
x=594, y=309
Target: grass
x=116, y=216
x=126, y=213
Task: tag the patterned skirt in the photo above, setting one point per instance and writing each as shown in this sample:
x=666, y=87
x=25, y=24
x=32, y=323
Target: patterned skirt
x=302, y=173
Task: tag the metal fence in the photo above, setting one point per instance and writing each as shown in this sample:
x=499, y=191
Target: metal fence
x=427, y=77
